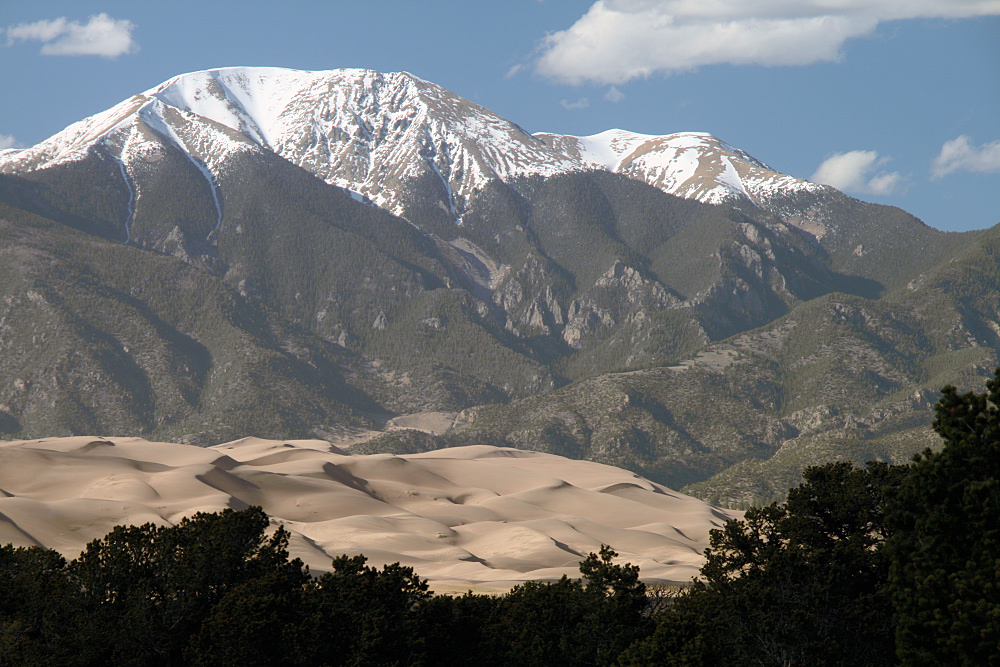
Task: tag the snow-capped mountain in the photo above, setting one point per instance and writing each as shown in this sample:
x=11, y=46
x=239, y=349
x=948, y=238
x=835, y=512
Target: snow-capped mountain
x=368, y=132
x=693, y=165
x=384, y=137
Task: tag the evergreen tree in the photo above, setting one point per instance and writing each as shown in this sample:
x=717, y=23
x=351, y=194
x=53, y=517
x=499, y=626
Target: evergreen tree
x=945, y=575
x=39, y=610
x=801, y=583
x=257, y=623
x=360, y=615
x=571, y=622
x=148, y=589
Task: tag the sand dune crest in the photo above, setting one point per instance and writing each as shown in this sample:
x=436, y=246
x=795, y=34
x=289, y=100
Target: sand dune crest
x=479, y=516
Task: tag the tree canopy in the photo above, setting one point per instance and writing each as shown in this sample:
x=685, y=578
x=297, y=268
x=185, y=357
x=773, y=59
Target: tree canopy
x=945, y=575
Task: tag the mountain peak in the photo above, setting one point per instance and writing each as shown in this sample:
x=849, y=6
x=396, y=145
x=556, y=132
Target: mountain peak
x=254, y=100
x=373, y=133
x=694, y=165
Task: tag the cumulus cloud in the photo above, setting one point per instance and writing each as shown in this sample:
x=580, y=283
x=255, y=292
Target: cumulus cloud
x=959, y=153
x=620, y=40
x=856, y=171
x=614, y=95
x=101, y=36
x=7, y=141
x=581, y=103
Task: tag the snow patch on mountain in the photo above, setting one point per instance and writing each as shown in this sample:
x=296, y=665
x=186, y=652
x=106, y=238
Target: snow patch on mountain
x=153, y=115
x=729, y=178
x=133, y=190
x=250, y=100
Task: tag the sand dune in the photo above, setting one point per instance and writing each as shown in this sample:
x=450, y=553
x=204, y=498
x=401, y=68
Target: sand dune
x=470, y=517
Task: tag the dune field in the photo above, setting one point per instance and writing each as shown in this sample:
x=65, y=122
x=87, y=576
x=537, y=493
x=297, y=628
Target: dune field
x=475, y=517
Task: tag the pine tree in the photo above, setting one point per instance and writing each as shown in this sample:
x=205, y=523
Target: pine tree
x=945, y=575
x=801, y=583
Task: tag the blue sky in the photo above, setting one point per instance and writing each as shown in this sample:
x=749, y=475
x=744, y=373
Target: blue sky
x=892, y=101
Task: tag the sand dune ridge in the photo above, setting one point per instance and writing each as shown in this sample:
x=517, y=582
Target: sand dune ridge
x=478, y=516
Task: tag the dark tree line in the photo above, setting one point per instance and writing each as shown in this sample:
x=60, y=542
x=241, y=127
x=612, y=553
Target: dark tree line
x=881, y=565
x=217, y=590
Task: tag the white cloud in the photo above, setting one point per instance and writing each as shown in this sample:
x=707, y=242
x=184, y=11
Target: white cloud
x=8, y=141
x=855, y=171
x=614, y=95
x=884, y=183
x=101, y=36
x=581, y=103
x=959, y=153
x=512, y=72
x=620, y=40
x=41, y=31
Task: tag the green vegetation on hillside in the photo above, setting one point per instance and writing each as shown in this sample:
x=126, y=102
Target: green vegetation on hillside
x=840, y=377
x=98, y=337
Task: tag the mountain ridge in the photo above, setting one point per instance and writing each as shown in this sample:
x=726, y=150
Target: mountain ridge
x=361, y=110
